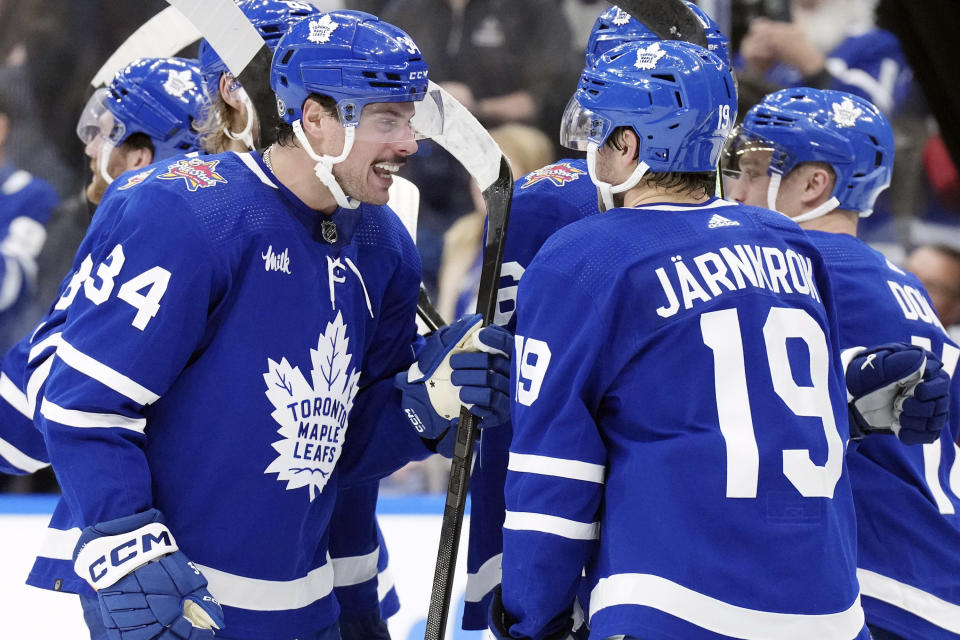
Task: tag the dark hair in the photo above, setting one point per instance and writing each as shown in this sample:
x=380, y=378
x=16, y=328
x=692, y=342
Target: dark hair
x=689, y=183
x=285, y=135
x=138, y=140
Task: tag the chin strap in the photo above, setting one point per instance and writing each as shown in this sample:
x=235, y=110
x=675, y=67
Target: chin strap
x=245, y=136
x=605, y=188
x=324, y=164
x=773, y=189
x=103, y=160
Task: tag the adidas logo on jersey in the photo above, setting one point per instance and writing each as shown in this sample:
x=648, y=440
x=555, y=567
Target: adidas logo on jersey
x=719, y=221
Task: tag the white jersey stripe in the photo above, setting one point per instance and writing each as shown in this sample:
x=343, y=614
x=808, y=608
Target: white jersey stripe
x=385, y=582
x=14, y=396
x=920, y=603
x=540, y=522
x=269, y=595
x=485, y=579
x=351, y=570
x=36, y=381
x=89, y=420
x=59, y=544
x=53, y=340
x=105, y=375
x=19, y=459
x=557, y=467
x=722, y=617
x=716, y=204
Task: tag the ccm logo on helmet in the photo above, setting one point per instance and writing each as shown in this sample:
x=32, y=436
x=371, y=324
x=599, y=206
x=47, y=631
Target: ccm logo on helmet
x=418, y=75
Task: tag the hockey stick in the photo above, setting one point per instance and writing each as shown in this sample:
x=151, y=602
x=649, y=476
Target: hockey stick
x=467, y=141
x=232, y=36
x=405, y=202
x=161, y=36
x=668, y=19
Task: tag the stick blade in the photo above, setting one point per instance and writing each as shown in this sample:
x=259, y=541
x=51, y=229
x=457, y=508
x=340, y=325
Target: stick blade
x=668, y=19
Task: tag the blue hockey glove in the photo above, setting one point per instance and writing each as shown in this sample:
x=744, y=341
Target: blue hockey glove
x=460, y=364
x=568, y=627
x=147, y=588
x=900, y=389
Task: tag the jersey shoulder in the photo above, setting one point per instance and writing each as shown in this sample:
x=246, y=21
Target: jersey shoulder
x=382, y=228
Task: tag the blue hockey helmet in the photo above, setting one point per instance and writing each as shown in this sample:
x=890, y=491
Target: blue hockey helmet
x=350, y=56
x=271, y=19
x=840, y=129
x=159, y=97
x=615, y=26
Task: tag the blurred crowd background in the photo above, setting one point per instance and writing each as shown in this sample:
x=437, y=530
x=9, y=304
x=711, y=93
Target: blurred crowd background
x=514, y=63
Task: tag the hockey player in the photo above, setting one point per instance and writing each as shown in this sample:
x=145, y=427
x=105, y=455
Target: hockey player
x=145, y=114
x=180, y=403
x=718, y=507
x=543, y=202
x=26, y=202
x=232, y=122
x=124, y=133
x=822, y=157
x=357, y=548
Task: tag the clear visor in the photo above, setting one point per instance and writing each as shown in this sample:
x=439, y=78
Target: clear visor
x=97, y=121
x=745, y=157
x=390, y=122
x=580, y=127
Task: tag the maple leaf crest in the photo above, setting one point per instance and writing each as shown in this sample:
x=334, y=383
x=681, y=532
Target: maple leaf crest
x=648, y=57
x=178, y=83
x=322, y=29
x=621, y=18
x=846, y=113
x=312, y=415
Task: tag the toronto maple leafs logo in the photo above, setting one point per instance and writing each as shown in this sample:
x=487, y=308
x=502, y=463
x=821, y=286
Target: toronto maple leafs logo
x=322, y=29
x=312, y=415
x=178, y=83
x=621, y=18
x=846, y=113
x=648, y=57
x=197, y=173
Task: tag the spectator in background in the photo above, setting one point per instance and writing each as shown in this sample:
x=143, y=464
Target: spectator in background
x=938, y=268
x=828, y=44
x=504, y=60
x=25, y=205
x=527, y=149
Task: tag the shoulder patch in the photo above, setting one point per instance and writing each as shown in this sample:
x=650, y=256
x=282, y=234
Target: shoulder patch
x=134, y=180
x=559, y=174
x=196, y=173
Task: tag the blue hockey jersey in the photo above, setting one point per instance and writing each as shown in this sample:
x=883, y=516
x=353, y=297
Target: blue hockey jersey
x=26, y=203
x=679, y=431
x=218, y=342
x=543, y=201
x=907, y=498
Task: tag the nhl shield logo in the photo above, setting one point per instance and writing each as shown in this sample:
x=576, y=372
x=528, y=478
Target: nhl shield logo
x=322, y=29
x=312, y=414
x=846, y=113
x=648, y=57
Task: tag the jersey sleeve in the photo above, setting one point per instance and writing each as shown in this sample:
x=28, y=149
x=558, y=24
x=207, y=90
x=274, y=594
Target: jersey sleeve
x=22, y=449
x=557, y=463
x=381, y=439
x=134, y=318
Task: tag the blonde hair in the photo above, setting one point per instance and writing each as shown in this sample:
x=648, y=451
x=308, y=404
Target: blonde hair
x=212, y=129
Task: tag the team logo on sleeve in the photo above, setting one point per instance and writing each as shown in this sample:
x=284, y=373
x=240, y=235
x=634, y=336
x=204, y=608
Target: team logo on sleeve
x=559, y=174
x=134, y=180
x=312, y=414
x=846, y=113
x=197, y=173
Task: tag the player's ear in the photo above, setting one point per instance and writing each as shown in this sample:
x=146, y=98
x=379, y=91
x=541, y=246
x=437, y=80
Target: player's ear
x=817, y=186
x=138, y=158
x=314, y=118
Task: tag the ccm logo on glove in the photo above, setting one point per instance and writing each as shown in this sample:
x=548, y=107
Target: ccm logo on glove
x=105, y=560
